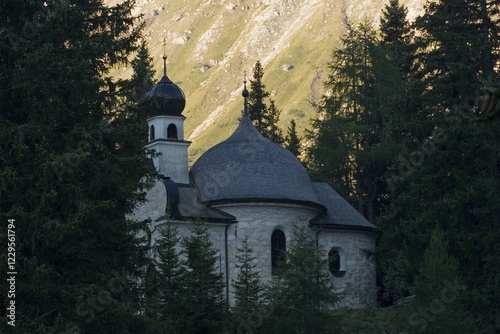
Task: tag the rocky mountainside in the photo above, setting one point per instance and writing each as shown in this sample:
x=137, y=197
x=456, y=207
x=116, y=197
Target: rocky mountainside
x=211, y=44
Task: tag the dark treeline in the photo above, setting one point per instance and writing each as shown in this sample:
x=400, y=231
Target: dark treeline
x=397, y=136
x=71, y=165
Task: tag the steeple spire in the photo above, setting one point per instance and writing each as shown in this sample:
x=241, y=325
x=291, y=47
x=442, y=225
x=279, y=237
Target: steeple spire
x=174, y=99
x=164, y=59
x=245, y=95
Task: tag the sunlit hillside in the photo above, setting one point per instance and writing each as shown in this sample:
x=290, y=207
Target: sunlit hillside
x=211, y=44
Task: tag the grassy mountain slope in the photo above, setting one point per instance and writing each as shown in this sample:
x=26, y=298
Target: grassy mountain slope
x=211, y=43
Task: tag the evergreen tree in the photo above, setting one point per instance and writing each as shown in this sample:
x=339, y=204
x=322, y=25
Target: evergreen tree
x=438, y=307
x=395, y=282
x=396, y=35
x=167, y=300
x=453, y=188
x=248, y=288
x=256, y=98
x=457, y=51
x=407, y=127
x=203, y=283
x=397, y=84
x=302, y=290
x=264, y=117
x=143, y=73
x=292, y=139
x=71, y=164
x=452, y=177
x=271, y=130
x=347, y=150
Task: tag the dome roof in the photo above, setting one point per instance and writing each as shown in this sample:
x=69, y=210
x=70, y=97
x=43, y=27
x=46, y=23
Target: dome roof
x=247, y=167
x=174, y=100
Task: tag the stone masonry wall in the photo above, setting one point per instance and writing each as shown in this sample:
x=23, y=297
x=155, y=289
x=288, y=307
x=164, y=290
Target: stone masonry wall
x=258, y=221
x=358, y=285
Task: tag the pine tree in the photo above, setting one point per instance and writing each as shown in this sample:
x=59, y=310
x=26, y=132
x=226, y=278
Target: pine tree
x=398, y=83
x=263, y=116
x=396, y=35
x=438, y=306
x=457, y=51
x=72, y=164
x=395, y=281
x=347, y=150
x=202, y=282
x=292, y=139
x=167, y=294
x=406, y=128
x=450, y=188
x=143, y=73
x=256, y=98
x=248, y=288
x=272, y=131
x=451, y=177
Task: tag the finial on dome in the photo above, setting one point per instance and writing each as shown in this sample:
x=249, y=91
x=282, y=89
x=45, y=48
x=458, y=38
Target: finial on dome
x=245, y=95
x=173, y=97
x=164, y=59
x=245, y=91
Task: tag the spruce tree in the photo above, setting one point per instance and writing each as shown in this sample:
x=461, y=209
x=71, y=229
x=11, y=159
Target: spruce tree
x=457, y=42
x=248, y=288
x=398, y=83
x=396, y=35
x=203, y=284
x=406, y=128
x=347, y=136
x=451, y=177
x=292, y=139
x=71, y=164
x=143, y=73
x=167, y=295
x=271, y=130
x=439, y=303
x=264, y=117
x=446, y=188
x=256, y=98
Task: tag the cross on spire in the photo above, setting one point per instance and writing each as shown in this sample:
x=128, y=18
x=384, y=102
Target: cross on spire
x=164, y=58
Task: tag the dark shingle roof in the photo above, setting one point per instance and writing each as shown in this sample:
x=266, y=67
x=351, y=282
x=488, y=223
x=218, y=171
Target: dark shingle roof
x=339, y=213
x=249, y=167
x=183, y=204
x=190, y=208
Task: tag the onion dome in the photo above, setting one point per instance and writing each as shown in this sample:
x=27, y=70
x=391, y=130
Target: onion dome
x=173, y=97
x=247, y=167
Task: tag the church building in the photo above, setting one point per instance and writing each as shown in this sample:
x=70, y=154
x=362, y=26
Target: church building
x=250, y=186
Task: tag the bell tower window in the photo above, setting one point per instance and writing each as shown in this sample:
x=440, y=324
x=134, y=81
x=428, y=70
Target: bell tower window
x=172, y=132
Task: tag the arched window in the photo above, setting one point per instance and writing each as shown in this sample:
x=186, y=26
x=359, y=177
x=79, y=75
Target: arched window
x=335, y=263
x=278, y=250
x=172, y=132
x=152, y=133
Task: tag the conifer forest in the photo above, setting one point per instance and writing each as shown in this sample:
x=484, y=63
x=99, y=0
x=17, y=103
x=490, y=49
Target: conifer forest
x=407, y=131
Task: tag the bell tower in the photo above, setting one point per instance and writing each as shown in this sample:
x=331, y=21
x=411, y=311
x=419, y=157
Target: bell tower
x=166, y=129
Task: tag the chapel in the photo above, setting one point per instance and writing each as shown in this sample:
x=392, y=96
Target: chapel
x=250, y=186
